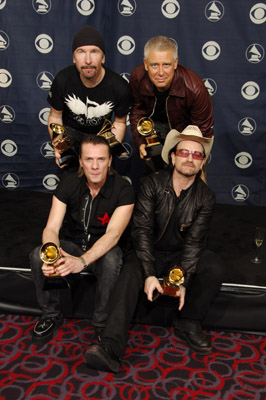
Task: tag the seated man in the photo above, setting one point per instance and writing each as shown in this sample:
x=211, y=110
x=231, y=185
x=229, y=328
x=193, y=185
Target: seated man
x=170, y=226
x=99, y=204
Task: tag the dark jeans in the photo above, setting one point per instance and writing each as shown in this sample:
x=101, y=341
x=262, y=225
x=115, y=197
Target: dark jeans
x=204, y=287
x=106, y=270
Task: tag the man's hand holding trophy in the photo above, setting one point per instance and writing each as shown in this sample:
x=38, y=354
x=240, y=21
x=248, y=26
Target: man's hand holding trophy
x=171, y=282
x=49, y=254
x=62, y=143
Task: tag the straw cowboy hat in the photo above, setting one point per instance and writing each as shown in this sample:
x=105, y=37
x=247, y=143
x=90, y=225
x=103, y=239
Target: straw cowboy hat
x=191, y=132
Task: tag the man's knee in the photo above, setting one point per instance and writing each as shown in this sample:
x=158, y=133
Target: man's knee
x=111, y=262
x=212, y=265
x=132, y=270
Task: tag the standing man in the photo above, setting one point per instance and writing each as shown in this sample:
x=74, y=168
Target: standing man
x=99, y=204
x=171, y=95
x=83, y=95
x=170, y=226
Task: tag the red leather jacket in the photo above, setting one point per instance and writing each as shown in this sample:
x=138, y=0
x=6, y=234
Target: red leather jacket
x=188, y=103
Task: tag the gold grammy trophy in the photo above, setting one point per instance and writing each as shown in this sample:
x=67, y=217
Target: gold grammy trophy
x=62, y=142
x=116, y=146
x=145, y=128
x=49, y=254
x=173, y=280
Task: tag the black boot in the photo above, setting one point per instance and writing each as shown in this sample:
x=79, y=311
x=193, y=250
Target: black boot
x=45, y=328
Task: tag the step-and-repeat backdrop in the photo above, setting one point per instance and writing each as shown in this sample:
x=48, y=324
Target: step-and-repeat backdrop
x=223, y=41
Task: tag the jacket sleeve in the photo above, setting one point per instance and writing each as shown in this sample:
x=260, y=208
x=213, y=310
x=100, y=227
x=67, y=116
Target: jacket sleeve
x=202, y=110
x=196, y=235
x=138, y=109
x=143, y=227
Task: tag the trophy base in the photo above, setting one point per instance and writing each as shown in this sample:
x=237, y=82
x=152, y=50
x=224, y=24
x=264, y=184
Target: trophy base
x=117, y=149
x=154, y=150
x=66, y=157
x=170, y=291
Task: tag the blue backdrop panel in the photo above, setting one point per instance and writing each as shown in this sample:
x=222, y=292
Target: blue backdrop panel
x=223, y=41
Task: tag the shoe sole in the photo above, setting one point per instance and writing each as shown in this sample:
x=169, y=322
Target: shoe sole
x=40, y=340
x=200, y=350
x=98, y=362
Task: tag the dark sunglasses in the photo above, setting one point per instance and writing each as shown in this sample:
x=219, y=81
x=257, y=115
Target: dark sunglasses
x=196, y=155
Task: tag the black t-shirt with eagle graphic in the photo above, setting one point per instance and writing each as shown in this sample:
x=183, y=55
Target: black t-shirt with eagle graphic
x=85, y=109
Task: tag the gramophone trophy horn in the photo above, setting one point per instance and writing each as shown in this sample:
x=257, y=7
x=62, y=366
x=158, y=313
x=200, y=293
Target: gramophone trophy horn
x=145, y=128
x=62, y=143
x=49, y=254
x=173, y=280
x=110, y=137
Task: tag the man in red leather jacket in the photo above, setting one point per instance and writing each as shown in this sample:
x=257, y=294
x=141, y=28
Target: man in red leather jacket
x=171, y=95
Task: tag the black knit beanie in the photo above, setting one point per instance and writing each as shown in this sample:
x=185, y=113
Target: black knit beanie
x=86, y=36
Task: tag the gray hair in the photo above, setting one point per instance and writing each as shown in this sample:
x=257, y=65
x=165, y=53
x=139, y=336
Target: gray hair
x=160, y=43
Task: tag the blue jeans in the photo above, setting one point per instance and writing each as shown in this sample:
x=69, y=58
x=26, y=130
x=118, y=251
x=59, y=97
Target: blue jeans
x=106, y=270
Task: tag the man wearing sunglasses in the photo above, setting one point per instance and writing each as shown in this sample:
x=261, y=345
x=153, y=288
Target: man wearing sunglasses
x=170, y=226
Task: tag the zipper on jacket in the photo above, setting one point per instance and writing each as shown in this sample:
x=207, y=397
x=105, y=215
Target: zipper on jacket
x=166, y=109
x=154, y=106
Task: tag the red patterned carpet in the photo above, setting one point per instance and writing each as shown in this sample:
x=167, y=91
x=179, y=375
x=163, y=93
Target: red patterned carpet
x=157, y=365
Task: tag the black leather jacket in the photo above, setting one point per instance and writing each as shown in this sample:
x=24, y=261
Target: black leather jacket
x=153, y=210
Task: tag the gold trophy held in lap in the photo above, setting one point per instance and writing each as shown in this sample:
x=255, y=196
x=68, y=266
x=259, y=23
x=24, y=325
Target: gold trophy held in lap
x=145, y=128
x=171, y=282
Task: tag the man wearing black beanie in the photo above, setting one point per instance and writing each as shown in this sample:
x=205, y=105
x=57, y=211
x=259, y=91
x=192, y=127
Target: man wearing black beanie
x=85, y=94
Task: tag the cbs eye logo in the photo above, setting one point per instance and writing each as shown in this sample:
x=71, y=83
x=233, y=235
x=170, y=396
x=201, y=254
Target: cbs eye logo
x=257, y=13
x=211, y=50
x=85, y=7
x=44, y=43
x=170, y=8
x=126, y=45
x=250, y=90
x=243, y=160
x=5, y=78
x=9, y=148
x=43, y=115
x=50, y=182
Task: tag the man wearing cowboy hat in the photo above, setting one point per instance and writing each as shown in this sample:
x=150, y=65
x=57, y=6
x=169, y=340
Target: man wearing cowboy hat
x=170, y=226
